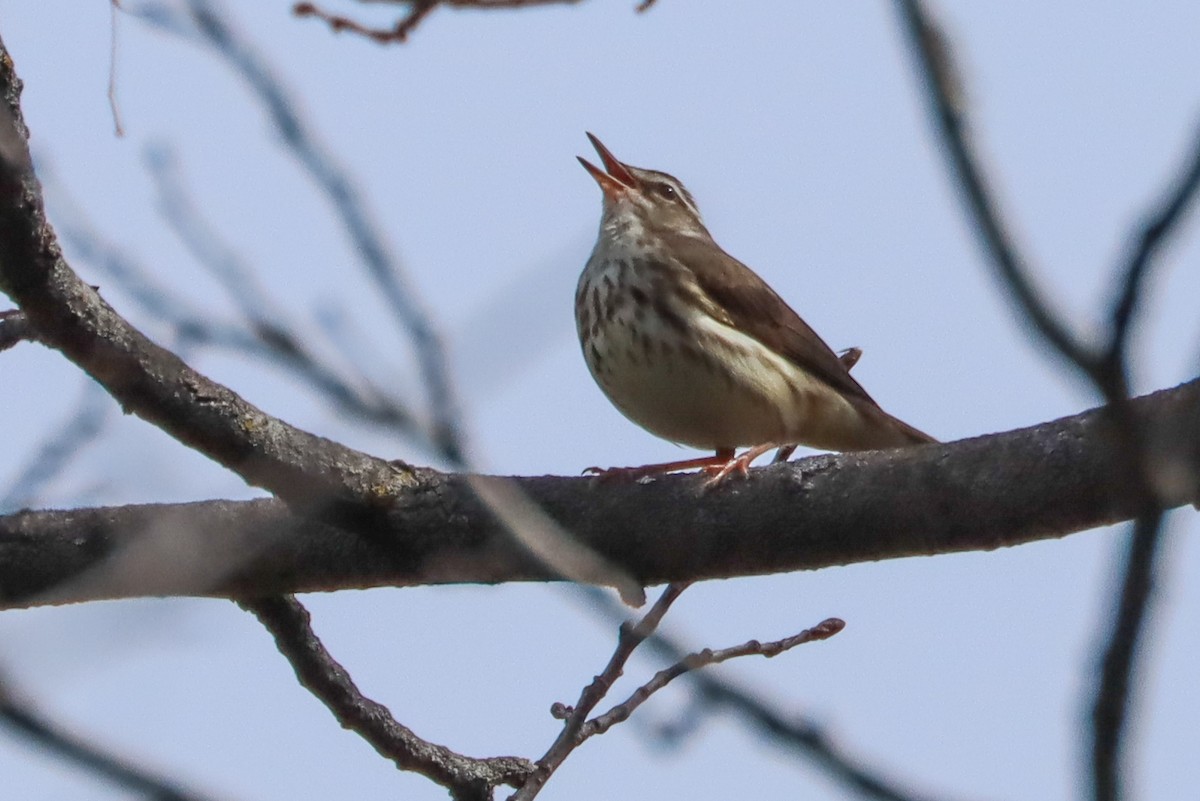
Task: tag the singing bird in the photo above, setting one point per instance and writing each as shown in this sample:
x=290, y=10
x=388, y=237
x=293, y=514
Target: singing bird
x=694, y=347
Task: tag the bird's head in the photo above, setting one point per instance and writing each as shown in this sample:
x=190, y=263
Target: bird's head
x=655, y=200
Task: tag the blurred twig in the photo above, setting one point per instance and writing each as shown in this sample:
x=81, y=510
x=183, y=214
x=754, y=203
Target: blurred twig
x=263, y=336
x=322, y=166
x=64, y=444
x=35, y=727
x=113, y=105
x=465, y=777
x=280, y=340
x=1107, y=367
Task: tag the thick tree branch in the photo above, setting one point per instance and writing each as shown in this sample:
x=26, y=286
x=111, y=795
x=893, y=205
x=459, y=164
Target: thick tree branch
x=14, y=328
x=979, y=494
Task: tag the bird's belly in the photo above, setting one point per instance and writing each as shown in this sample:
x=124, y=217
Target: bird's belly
x=715, y=388
x=682, y=392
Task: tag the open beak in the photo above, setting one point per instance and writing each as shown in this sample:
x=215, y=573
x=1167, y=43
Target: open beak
x=617, y=180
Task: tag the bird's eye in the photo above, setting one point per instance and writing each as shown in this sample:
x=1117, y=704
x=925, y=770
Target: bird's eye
x=666, y=191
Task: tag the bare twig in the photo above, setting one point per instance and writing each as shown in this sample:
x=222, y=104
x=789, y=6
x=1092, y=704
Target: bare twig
x=1148, y=244
x=114, y=107
x=628, y=639
x=943, y=89
x=1111, y=704
x=1107, y=369
x=318, y=672
x=263, y=339
x=418, y=11
x=795, y=733
x=270, y=335
x=381, y=265
x=701, y=659
x=23, y=717
x=1112, y=699
x=189, y=325
x=65, y=443
x=311, y=472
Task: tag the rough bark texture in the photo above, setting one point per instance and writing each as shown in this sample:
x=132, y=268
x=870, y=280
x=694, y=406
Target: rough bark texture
x=978, y=494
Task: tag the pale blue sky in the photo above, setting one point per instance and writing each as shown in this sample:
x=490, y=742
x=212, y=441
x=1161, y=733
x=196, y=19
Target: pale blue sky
x=800, y=129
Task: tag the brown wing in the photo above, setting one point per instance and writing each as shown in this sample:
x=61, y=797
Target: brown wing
x=757, y=310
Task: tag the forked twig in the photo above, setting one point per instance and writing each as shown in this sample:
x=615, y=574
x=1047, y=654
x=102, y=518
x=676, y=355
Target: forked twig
x=700, y=659
x=628, y=639
x=800, y=735
x=577, y=726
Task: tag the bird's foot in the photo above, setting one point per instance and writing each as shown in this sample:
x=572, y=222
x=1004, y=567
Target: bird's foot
x=718, y=473
x=705, y=463
x=718, y=467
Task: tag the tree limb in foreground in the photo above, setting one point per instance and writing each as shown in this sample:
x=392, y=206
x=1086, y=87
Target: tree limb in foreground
x=989, y=492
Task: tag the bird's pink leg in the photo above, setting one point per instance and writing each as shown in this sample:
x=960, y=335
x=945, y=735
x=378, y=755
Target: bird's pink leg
x=708, y=464
x=740, y=464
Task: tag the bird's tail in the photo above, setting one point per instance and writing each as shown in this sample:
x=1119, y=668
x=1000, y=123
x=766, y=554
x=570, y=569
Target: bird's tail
x=910, y=435
x=884, y=431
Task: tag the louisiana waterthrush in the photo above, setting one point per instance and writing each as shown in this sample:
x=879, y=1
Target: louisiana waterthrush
x=690, y=344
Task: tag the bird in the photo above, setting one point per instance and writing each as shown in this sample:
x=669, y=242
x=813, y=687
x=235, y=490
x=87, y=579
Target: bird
x=692, y=345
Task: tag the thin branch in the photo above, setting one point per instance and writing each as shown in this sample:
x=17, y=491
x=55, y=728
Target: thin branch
x=794, y=733
x=311, y=472
x=35, y=727
x=64, y=444
x=206, y=245
x=628, y=639
x=701, y=659
x=318, y=672
x=271, y=335
x=1113, y=692
x=944, y=92
x=418, y=11
x=1110, y=707
x=1107, y=368
x=113, y=105
x=1155, y=233
x=352, y=211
